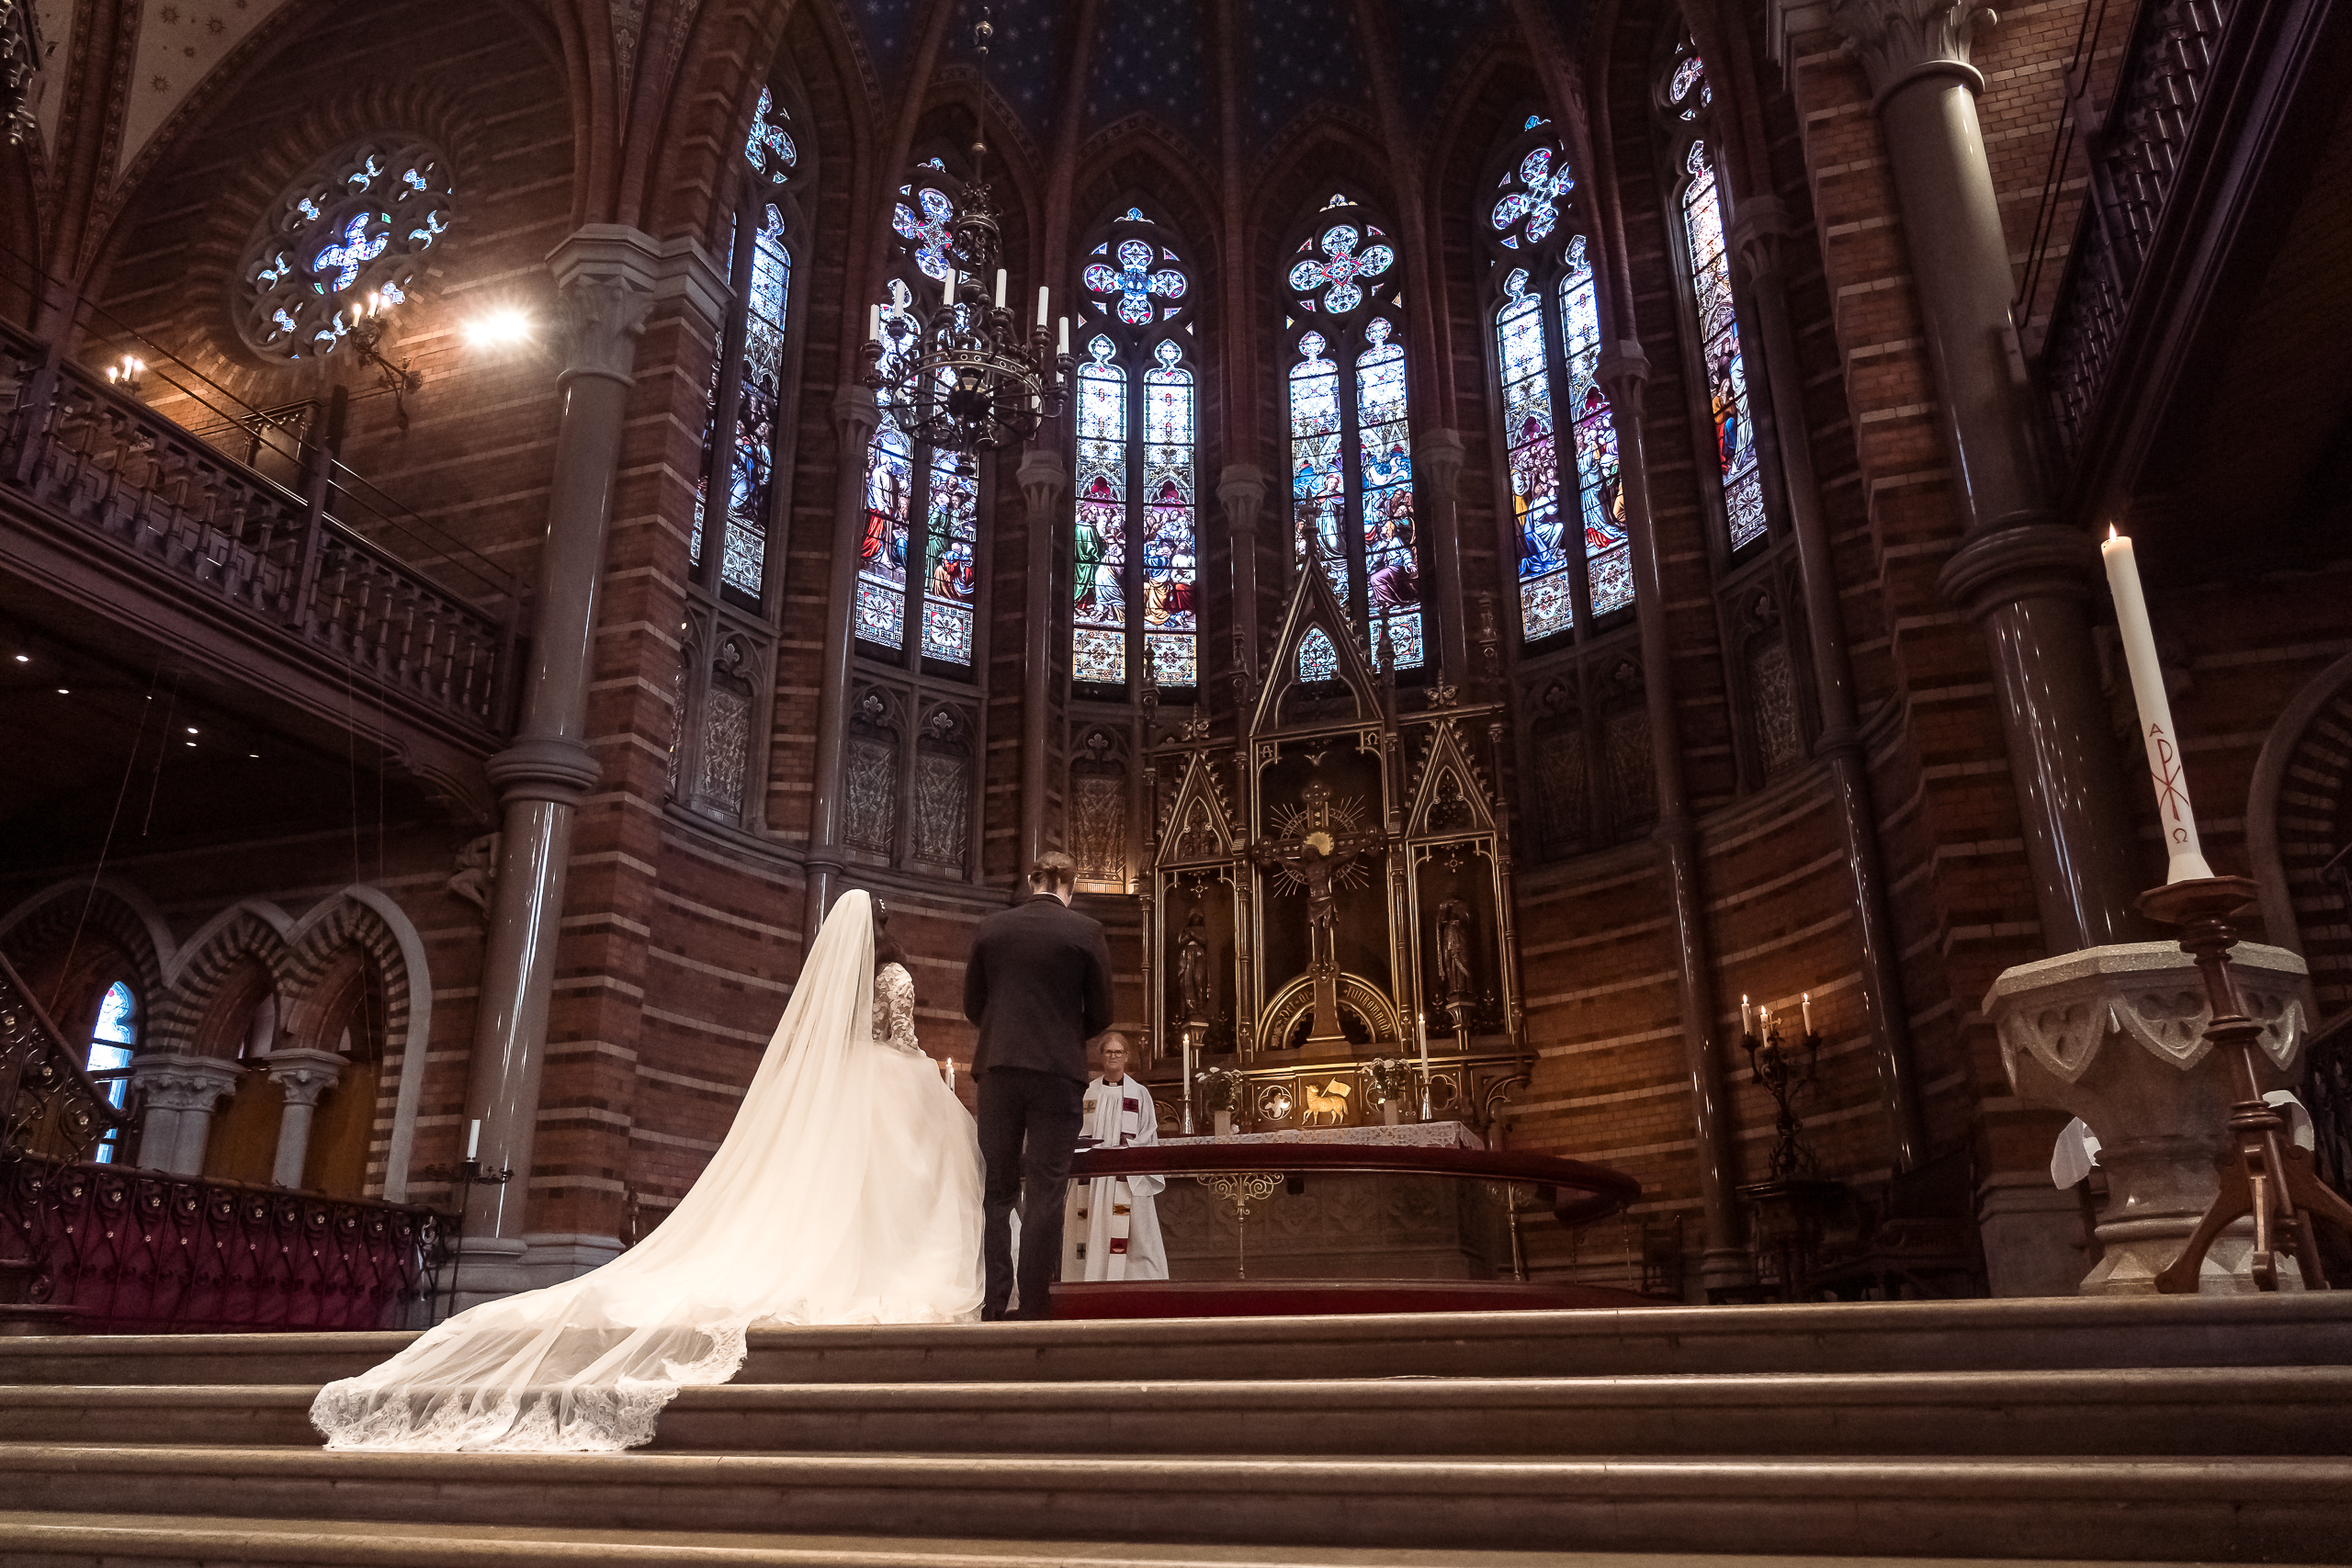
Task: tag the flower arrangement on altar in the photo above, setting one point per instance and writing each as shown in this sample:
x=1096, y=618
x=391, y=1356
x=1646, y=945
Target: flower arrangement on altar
x=1386, y=1080
x=1221, y=1090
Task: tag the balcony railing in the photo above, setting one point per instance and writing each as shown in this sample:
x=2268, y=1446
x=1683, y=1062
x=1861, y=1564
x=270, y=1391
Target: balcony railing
x=83, y=452
x=102, y=1247
x=2134, y=155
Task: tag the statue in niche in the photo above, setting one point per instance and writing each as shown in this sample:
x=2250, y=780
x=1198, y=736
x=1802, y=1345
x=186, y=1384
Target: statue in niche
x=1195, y=985
x=1460, y=988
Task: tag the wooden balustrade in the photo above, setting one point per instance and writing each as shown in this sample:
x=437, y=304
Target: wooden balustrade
x=86, y=452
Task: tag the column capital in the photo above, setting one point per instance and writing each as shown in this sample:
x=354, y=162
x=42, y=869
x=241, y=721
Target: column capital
x=169, y=1081
x=1241, y=489
x=689, y=273
x=1440, y=452
x=2027, y=556
x=605, y=276
x=542, y=767
x=304, y=1074
x=1624, y=371
x=857, y=413
x=1043, y=481
x=1758, y=233
x=1900, y=41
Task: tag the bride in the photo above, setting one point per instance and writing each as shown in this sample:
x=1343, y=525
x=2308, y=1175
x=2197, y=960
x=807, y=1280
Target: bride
x=848, y=1191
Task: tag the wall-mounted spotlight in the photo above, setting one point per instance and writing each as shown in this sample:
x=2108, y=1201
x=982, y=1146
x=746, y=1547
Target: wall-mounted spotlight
x=499, y=329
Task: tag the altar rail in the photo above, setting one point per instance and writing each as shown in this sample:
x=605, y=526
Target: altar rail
x=175, y=508
x=107, y=1249
x=1580, y=1193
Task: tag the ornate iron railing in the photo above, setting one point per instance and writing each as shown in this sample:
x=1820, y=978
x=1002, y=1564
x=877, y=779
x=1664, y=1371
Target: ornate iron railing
x=2135, y=158
x=126, y=1250
x=83, y=451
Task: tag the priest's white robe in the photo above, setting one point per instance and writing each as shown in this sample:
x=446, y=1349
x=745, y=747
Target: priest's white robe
x=1111, y=1230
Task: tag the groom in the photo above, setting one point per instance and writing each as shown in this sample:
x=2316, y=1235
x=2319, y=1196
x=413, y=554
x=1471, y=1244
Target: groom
x=1039, y=987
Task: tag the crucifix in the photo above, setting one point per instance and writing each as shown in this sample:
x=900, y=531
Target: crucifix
x=1319, y=854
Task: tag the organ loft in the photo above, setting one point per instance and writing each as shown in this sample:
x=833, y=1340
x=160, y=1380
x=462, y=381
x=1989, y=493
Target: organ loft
x=1692, y=651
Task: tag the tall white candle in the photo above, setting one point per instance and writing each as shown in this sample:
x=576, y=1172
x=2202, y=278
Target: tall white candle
x=1747, y=1016
x=473, y=1140
x=1065, y=347
x=999, y=288
x=1041, y=307
x=873, y=323
x=2174, y=811
x=1805, y=1005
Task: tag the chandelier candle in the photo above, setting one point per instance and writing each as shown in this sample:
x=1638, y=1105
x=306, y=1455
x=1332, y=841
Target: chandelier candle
x=1041, y=309
x=873, y=323
x=2173, y=809
x=999, y=288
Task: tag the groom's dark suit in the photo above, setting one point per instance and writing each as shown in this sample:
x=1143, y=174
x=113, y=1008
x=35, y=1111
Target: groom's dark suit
x=1039, y=987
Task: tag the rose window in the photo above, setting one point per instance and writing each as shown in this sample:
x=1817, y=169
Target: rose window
x=357, y=228
x=1335, y=269
x=1533, y=211
x=1134, y=283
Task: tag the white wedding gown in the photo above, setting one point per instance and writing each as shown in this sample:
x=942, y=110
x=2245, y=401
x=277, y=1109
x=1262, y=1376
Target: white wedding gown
x=848, y=1191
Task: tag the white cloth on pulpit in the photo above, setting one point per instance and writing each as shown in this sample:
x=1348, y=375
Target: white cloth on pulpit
x=1111, y=1230
x=2076, y=1150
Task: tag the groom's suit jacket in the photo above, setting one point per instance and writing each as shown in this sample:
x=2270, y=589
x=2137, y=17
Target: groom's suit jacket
x=1039, y=987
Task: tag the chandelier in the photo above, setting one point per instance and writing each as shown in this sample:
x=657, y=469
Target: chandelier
x=959, y=373
x=20, y=62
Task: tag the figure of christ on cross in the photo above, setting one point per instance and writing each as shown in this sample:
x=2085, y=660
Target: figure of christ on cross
x=1320, y=860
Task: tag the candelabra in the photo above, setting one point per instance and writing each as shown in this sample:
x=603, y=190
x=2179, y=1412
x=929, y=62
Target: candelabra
x=467, y=1174
x=367, y=334
x=1773, y=1062
x=966, y=379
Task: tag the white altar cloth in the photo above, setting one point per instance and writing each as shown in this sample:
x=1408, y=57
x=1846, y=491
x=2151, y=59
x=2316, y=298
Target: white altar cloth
x=1404, y=1136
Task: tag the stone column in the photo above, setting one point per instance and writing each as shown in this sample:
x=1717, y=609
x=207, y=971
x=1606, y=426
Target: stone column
x=1242, y=491
x=1045, y=486
x=857, y=415
x=1757, y=232
x=2024, y=576
x=179, y=1094
x=1440, y=452
x=1624, y=373
x=303, y=1075
x=605, y=276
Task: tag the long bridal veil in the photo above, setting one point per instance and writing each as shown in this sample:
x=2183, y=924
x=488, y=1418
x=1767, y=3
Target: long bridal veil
x=777, y=1230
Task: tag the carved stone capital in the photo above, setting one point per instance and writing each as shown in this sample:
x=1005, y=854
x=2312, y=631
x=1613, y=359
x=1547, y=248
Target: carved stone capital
x=1899, y=41
x=856, y=415
x=1044, y=479
x=1241, y=488
x=303, y=1075
x=1439, y=453
x=173, y=1082
x=605, y=276
x=543, y=767
x=1757, y=234
x=2030, y=559
x=1622, y=372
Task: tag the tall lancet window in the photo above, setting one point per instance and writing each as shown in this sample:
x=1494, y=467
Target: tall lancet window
x=1350, y=436
x=1567, y=503
x=1688, y=108
x=1135, y=573
x=916, y=563
x=745, y=425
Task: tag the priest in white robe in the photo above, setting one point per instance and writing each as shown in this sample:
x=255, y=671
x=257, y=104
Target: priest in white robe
x=1112, y=1229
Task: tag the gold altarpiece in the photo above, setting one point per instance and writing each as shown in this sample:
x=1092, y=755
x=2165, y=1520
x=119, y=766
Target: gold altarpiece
x=1332, y=887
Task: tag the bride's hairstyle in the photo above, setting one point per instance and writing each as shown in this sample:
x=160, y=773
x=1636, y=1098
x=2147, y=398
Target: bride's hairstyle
x=886, y=946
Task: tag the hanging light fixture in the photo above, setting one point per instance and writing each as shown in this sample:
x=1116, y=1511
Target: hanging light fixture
x=20, y=62
x=965, y=376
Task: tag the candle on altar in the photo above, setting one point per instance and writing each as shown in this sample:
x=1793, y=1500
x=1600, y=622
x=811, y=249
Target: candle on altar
x=1747, y=1016
x=2179, y=818
x=473, y=1140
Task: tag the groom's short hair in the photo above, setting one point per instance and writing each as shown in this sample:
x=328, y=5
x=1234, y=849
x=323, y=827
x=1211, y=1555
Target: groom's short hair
x=1052, y=871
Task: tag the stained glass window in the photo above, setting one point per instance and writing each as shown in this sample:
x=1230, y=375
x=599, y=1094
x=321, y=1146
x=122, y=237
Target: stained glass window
x=111, y=1045
x=1099, y=576
x=1350, y=436
x=1135, y=543
x=1558, y=440
x=357, y=228
x=769, y=147
x=1702, y=226
x=1317, y=660
x=936, y=587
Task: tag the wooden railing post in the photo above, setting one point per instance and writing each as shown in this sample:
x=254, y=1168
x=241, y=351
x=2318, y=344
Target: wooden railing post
x=318, y=481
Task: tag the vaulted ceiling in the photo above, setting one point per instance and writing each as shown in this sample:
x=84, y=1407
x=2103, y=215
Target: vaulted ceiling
x=1159, y=59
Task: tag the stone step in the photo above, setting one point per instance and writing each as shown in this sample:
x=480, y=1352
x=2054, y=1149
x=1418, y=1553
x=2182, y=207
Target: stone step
x=44, y=1541
x=2242, y=1509
x=2207, y=1411
x=1872, y=1337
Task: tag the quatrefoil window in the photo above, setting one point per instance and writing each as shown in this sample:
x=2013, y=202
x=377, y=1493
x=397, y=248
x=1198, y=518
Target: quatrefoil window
x=358, y=226
x=1335, y=271
x=1532, y=211
x=769, y=146
x=1135, y=283
x=928, y=232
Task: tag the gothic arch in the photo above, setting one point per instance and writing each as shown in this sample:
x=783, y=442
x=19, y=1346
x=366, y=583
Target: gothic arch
x=371, y=920
x=113, y=914
x=208, y=962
